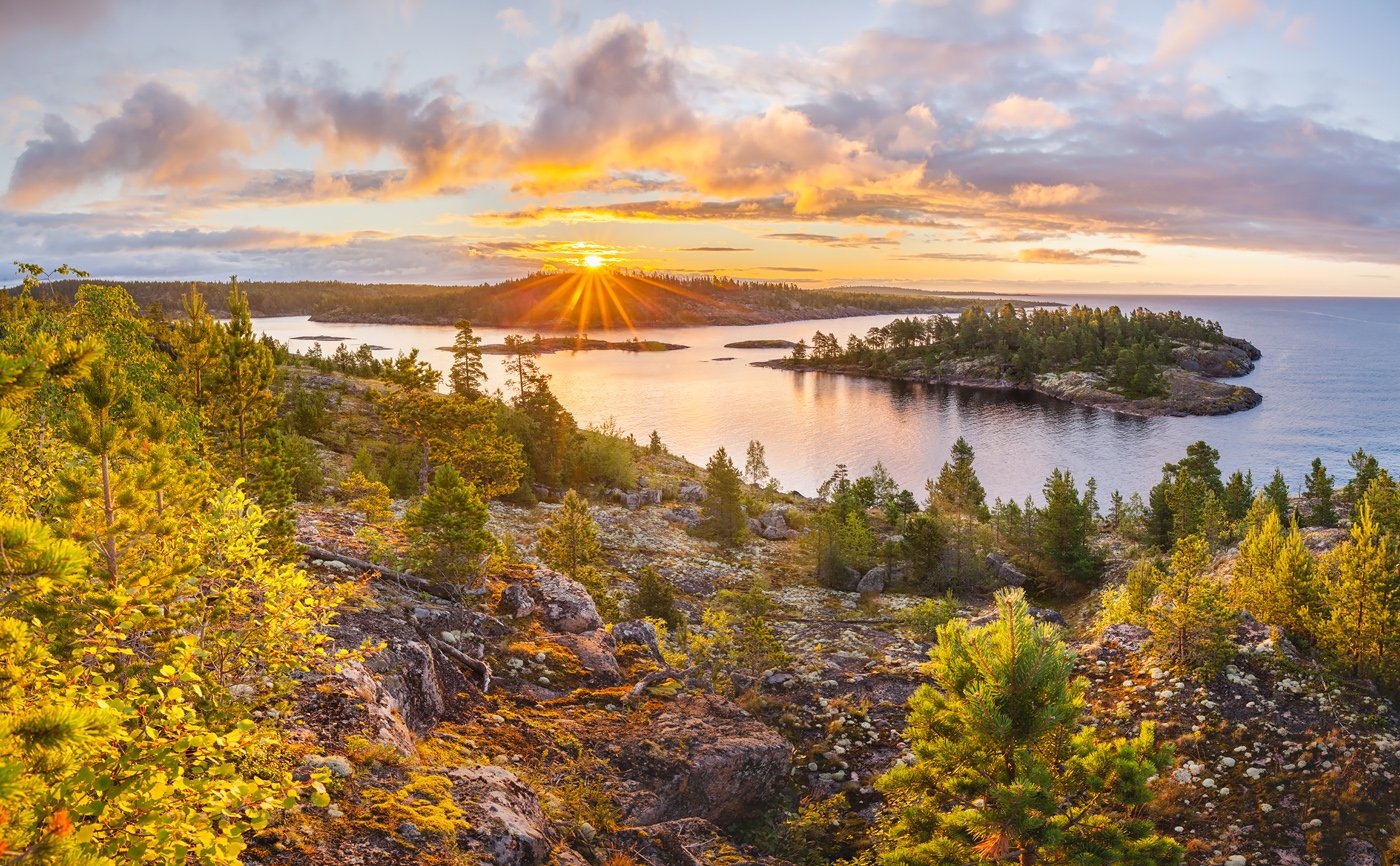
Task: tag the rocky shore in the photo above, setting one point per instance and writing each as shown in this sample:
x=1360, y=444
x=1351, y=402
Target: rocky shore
x=1193, y=385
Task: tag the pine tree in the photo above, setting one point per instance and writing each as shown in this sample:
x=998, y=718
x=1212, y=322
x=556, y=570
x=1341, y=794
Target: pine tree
x=1277, y=493
x=1005, y=768
x=568, y=541
x=1239, y=493
x=958, y=484
x=468, y=376
x=1363, y=595
x=1274, y=577
x=1364, y=469
x=1190, y=621
x=447, y=531
x=1063, y=528
x=196, y=342
x=1318, y=488
x=240, y=389
x=655, y=598
x=725, y=520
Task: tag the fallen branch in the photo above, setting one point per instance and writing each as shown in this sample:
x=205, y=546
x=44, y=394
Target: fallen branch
x=451, y=592
x=652, y=679
x=479, y=667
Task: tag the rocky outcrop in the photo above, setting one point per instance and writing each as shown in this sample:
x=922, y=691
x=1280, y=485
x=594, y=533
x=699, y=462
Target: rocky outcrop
x=1127, y=637
x=1235, y=357
x=506, y=823
x=699, y=757
x=564, y=604
x=690, y=491
x=515, y=602
x=772, y=525
x=634, y=499
x=1003, y=570
x=640, y=633
x=873, y=580
x=596, y=652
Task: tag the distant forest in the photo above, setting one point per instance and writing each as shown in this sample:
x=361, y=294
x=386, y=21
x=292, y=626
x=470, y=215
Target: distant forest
x=547, y=299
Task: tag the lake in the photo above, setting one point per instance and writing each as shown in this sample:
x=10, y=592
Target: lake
x=1328, y=376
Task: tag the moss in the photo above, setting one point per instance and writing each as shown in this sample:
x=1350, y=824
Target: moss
x=425, y=801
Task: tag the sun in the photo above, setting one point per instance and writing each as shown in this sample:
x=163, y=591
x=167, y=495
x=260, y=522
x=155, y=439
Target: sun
x=592, y=262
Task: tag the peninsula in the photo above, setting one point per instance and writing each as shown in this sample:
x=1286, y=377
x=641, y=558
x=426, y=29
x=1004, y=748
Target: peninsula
x=573, y=300
x=1144, y=364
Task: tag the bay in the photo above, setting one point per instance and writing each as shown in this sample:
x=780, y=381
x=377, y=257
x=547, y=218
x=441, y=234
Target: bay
x=1328, y=376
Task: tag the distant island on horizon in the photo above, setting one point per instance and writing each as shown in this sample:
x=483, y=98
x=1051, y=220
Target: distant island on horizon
x=557, y=300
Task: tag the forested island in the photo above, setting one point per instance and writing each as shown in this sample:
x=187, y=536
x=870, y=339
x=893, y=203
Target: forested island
x=293, y=609
x=563, y=300
x=1142, y=363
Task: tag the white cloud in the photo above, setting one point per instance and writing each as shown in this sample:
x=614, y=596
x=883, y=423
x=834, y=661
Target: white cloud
x=515, y=22
x=1017, y=112
x=1192, y=23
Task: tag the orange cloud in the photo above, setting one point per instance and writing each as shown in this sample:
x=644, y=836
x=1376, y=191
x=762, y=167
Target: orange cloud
x=1017, y=112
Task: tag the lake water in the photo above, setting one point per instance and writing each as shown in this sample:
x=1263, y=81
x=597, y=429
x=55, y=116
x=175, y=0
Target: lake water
x=1328, y=377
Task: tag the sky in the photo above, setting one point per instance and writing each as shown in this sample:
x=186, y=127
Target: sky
x=1194, y=146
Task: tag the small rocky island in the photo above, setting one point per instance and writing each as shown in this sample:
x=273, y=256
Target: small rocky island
x=549, y=345
x=1143, y=364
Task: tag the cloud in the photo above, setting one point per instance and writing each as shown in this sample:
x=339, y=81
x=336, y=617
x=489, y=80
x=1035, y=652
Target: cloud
x=515, y=22
x=1192, y=23
x=1017, y=112
x=1044, y=256
x=1298, y=31
x=23, y=16
x=889, y=239
x=1034, y=195
x=432, y=133
x=713, y=249
x=958, y=257
x=159, y=138
x=787, y=270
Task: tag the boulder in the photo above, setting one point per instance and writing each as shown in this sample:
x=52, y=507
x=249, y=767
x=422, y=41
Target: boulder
x=1127, y=637
x=684, y=515
x=505, y=821
x=683, y=842
x=596, y=651
x=516, y=602
x=873, y=580
x=638, y=632
x=690, y=491
x=1041, y=613
x=564, y=605
x=383, y=711
x=1359, y=852
x=650, y=496
x=1003, y=570
x=700, y=757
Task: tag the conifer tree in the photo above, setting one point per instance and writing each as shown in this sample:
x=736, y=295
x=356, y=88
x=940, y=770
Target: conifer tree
x=1276, y=491
x=568, y=541
x=1189, y=620
x=655, y=598
x=1363, y=595
x=241, y=396
x=196, y=342
x=724, y=505
x=958, y=484
x=1063, y=528
x=1006, y=769
x=468, y=376
x=447, y=531
x=1364, y=469
x=1273, y=575
x=1318, y=488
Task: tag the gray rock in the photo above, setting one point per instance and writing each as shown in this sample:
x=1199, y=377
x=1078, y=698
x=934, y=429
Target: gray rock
x=1003, y=570
x=595, y=650
x=564, y=604
x=638, y=632
x=1359, y=852
x=650, y=496
x=873, y=580
x=700, y=757
x=242, y=692
x=339, y=765
x=1127, y=637
x=383, y=710
x=515, y=602
x=505, y=820
x=684, y=515
x=690, y=491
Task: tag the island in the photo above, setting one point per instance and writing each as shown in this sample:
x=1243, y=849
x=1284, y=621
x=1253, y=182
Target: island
x=761, y=344
x=549, y=345
x=557, y=300
x=1145, y=364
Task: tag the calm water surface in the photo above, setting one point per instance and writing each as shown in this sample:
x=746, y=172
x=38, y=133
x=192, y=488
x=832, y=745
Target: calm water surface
x=1328, y=376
